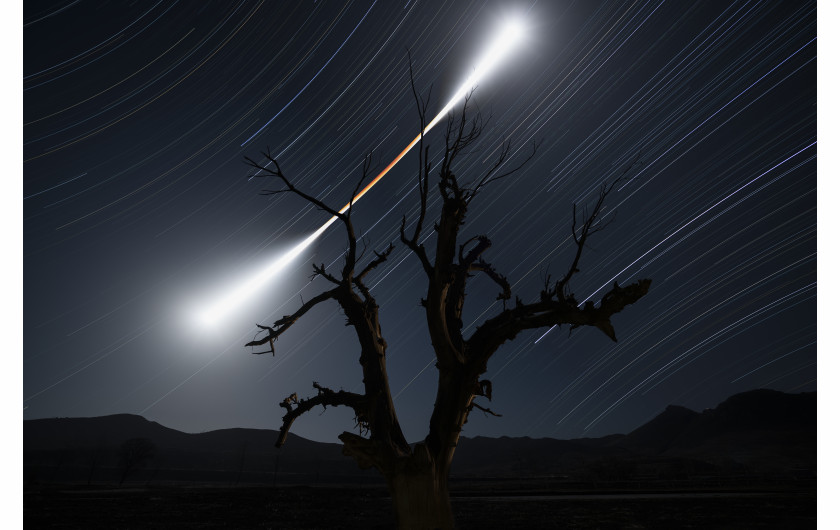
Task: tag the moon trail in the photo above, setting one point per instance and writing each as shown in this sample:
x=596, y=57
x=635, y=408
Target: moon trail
x=510, y=35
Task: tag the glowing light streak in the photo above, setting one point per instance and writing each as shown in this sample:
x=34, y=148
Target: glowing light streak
x=244, y=291
x=719, y=111
x=119, y=344
x=678, y=230
x=138, y=109
x=115, y=35
x=499, y=49
x=695, y=144
x=123, y=80
x=677, y=331
x=56, y=186
x=349, y=85
x=712, y=337
x=310, y=81
x=774, y=360
x=53, y=13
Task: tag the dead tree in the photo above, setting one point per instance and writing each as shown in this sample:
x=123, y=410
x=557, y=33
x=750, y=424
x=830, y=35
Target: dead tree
x=418, y=477
x=134, y=452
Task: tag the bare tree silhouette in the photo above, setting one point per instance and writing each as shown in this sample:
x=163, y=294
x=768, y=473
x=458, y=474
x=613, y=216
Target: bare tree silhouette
x=134, y=453
x=418, y=476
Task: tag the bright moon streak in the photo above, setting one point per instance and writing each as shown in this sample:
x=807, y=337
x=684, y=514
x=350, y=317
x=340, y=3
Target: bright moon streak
x=216, y=312
x=499, y=49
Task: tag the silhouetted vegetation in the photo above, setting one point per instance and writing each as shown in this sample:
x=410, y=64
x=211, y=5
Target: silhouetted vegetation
x=418, y=476
x=134, y=453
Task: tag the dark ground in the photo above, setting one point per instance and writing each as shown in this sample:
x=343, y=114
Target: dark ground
x=353, y=506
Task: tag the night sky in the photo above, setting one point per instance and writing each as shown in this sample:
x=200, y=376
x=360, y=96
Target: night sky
x=138, y=209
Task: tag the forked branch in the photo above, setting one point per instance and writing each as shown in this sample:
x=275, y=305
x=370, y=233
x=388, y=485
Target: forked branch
x=489, y=175
x=272, y=169
x=425, y=167
x=591, y=224
x=381, y=257
x=287, y=321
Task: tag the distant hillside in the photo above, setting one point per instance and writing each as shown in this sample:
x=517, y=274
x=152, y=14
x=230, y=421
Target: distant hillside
x=759, y=432
x=658, y=434
x=75, y=446
x=57, y=433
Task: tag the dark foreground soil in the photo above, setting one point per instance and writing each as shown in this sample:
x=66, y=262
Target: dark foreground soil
x=357, y=507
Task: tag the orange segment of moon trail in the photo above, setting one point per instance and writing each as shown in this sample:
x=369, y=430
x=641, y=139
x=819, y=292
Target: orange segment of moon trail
x=381, y=173
x=500, y=47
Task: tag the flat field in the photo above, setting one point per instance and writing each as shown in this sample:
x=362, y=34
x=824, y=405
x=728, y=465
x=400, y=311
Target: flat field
x=357, y=507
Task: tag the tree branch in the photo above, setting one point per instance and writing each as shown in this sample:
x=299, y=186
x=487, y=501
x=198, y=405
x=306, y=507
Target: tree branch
x=483, y=388
x=473, y=262
x=416, y=247
x=290, y=188
x=350, y=259
x=286, y=322
x=322, y=271
x=491, y=273
x=270, y=342
x=487, y=179
x=457, y=139
x=551, y=311
x=474, y=253
x=423, y=171
x=296, y=407
x=591, y=225
x=485, y=410
x=380, y=258
x=275, y=171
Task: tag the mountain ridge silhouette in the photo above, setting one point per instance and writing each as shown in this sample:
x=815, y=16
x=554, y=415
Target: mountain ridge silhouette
x=763, y=430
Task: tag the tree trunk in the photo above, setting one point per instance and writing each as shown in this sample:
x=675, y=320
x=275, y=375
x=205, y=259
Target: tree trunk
x=421, y=500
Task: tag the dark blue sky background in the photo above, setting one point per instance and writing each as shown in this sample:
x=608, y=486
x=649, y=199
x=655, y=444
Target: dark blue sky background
x=138, y=209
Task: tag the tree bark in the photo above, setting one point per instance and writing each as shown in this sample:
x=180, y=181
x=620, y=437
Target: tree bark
x=420, y=493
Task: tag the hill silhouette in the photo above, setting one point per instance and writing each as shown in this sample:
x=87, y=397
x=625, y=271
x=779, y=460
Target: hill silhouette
x=759, y=432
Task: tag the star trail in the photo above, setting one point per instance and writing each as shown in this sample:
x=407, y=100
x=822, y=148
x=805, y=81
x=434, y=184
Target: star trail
x=138, y=208
x=506, y=39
